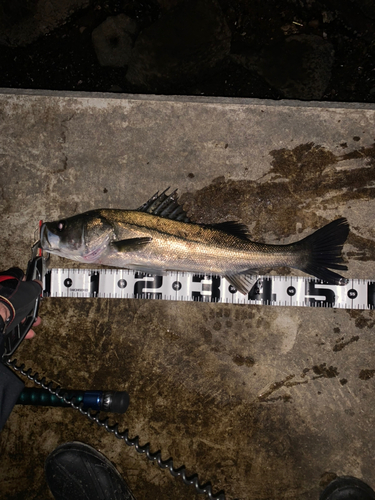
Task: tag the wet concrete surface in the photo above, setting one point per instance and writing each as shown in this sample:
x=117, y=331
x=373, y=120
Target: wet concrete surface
x=265, y=402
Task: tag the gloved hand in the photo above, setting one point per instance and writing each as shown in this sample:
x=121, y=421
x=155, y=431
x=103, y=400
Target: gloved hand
x=18, y=296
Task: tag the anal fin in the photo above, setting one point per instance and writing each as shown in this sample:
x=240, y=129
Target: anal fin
x=242, y=282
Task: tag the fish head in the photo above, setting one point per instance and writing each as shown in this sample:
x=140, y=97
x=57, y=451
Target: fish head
x=83, y=237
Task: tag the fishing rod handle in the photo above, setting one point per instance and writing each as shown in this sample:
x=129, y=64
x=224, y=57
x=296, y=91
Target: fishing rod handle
x=110, y=401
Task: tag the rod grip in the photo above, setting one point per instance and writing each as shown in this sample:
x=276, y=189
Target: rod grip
x=111, y=401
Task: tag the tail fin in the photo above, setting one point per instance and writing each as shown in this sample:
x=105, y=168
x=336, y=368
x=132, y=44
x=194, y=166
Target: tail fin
x=323, y=251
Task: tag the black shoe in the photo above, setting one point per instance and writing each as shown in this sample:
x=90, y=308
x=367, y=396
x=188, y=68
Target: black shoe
x=347, y=488
x=76, y=471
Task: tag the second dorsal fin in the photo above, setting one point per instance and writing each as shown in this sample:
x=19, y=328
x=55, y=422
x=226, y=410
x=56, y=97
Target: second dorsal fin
x=233, y=227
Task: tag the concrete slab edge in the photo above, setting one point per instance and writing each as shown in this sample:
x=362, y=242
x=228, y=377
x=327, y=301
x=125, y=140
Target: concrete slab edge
x=188, y=99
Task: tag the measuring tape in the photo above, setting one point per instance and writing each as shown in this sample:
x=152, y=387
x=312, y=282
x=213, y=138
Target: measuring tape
x=183, y=286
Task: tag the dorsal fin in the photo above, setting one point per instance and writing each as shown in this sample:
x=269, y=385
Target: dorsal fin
x=165, y=205
x=233, y=227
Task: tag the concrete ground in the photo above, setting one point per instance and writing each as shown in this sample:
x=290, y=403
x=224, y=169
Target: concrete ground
x=264, y=402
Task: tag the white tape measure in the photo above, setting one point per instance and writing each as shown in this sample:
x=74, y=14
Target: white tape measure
x=182, y=286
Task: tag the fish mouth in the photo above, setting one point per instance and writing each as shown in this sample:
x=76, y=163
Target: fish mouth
x=48, y=240
x=44, y=237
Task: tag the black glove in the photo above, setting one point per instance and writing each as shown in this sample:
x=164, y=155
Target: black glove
x=18, y=296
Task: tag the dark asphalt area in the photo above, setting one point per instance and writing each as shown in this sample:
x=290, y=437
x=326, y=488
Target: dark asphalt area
x=64, y=58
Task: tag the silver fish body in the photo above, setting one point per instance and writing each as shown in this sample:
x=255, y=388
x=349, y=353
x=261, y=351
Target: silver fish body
x=143, y=240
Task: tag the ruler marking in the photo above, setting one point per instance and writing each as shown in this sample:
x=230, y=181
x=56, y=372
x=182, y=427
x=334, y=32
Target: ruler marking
x=280, y=291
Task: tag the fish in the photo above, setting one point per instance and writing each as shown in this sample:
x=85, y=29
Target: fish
x=159, y=237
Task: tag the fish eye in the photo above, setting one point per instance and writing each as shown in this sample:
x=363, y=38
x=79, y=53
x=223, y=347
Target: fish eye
x=61, y=225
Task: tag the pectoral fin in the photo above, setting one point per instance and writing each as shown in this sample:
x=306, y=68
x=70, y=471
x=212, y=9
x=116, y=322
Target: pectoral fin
x=130, y=245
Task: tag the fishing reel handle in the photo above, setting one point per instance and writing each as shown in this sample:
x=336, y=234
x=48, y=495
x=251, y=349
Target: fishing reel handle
x=35, y=271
